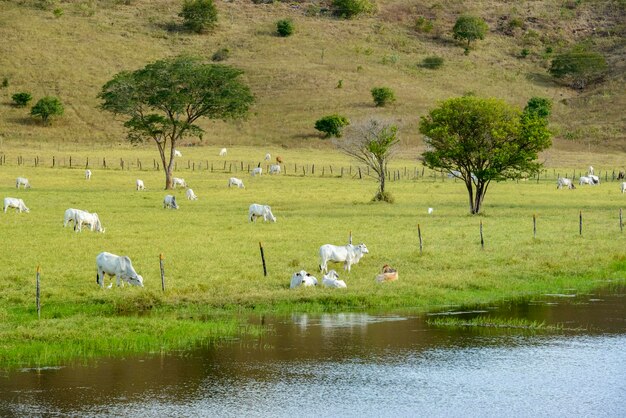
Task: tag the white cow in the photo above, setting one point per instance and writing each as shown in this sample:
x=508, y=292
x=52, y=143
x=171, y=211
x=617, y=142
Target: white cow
x=256, y=170
x=331, y=279
x=85, y=218
x=12, y=202
x=223, y=152
x=191, y=195
x=268, y=157
x=564, y=182
x=585, y=180
x=274, y=169
x=457, y=174
x=302, y=279
x=594, y=179
x=22, y=181
x=88, y=174
x=139, y=185
x=177, y=153
x=623, y=187
x=260, y=211
x=170, y=202
x=348, y=254
x=118, y=266
x=69, y=216
x=178, y=182
x=234, y=181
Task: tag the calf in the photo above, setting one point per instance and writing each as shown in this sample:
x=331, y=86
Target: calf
x=348, y=254
x=139, y=185
x=170, y=202
x=22, y=181
x=118, y=266
x=268, y=157
x=331, y=279
x=12, y=202
x=191, y=195
x=260, y=211
x=234, y=181
x=177, y=153
x=302, y=279
x=223, y=152
x=88, y=174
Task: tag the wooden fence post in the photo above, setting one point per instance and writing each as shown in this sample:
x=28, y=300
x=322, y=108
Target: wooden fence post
x=38, y=293
x=263, y=259
x=53, y=161
x=350, y=238
x=161, y=258
x=580, y=222
x=482, y=241
x=534, y=226
x=621, y=222
x=419, y=235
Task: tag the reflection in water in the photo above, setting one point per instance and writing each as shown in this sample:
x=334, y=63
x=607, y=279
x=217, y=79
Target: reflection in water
x=358, y=364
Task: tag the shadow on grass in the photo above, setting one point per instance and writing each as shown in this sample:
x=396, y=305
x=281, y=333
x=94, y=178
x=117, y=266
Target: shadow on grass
x=540, y=79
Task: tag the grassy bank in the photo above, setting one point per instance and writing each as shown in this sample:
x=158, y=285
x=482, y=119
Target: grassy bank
x=212, y=263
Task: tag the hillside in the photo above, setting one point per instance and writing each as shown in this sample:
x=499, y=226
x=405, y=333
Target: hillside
x=295, y=79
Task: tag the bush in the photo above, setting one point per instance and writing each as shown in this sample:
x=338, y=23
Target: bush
x=284, y=27
x=347, y=9
x=21, y=99
x=47, y=107
x=221, y=54
x=384, y=197
x=5, y=82
x=579, y=68
x=199, y=15
x=423, y=25
x=58, y=12
x=432, y=62
x=383, y=96
x=539, y=106
x=331, y=125
x=524, y=53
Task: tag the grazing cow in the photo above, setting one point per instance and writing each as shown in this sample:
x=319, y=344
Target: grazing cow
x=302, y=279
x=22, y=181
x=118, y=266
x=455, y=174
x=70, y=215
x=279, y=159
x=585, y=180
x=88, y=174
x=430, y=211
x=563, y=181
x=348, y=254
x=594, y=179
x=177, y=153
x=85, y=218
x=170, y=202
x=12, y=202
x=268, y=157
x=178, y=182
x=331, y=279
x=274, y=169
x=223, y=152
x=590, y=170
x=191, y=195
x=623, y=187
x=621, y=175
x=139, y=185
x=255, y=171
x=260, y=211
x=234, y=181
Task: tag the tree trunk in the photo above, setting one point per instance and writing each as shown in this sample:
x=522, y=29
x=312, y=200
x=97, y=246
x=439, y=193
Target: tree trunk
x=381, y=180
x=470, y=192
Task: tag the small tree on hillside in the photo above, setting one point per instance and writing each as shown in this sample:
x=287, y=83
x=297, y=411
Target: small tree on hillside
x=164, y=100
x=578, y=69
x=372, y=143
x=199, y=15
x=285, y=27
x=485, y=140
x=347, y=9
x=540, y=106
x=469, y=28
x=46, y=108
x=21, y=99
x=331, y=125
x=383, y=96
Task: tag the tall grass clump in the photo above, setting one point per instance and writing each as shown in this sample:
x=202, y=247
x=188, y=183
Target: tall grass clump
x=432, y=63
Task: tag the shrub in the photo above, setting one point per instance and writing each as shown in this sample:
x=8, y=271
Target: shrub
x=47, y=107
x=347, y=9
x=21, y=99
x=331, y=125
x=58, y=12
x=5, y=82
x=383, y=197
x=539, y=106
x=383, y=96
x=221, y=54
x=423, y=25
x=199, y=15
x=578, y=68
x=524, y=53
x=432, y=62
x=284, y=27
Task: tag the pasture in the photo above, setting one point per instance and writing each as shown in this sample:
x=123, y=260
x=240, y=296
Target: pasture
x=212, y=262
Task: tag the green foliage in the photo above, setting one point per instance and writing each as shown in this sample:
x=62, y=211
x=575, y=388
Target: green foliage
x=423, y=25
x=432, y=62
x=539, y=106
x=331, y=125
x=348, y=9
x=485, y=140
x=285, y=27
x=579, y=68
x=469, y=28
x=164, y=100
x=5, y=83
x=339, y=84
x=383, y=96
x=58, y=12
x=21, y=99
x=221, y=54
x=524, y=53
x=199, y=15
x=385, y=196
x=47, y=107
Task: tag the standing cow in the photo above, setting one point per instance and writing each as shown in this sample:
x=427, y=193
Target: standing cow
x=348, y=254
x=118, y=266
x=260, y=211
x=234, y=181
x=88, y=174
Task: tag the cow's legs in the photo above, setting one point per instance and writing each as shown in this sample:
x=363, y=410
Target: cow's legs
x=117, y=277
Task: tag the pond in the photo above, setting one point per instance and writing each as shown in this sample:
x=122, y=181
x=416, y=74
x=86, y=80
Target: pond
x=357, y=364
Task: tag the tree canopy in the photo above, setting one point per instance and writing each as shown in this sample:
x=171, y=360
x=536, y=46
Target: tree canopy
x=469, y=28
x=47, y=107
x=578, y=68
x=484, y=140
x=199, y=15
x=164, y=99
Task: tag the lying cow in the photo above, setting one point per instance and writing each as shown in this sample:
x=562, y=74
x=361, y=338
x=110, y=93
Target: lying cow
x=347, y=254
x=274, y=169
x=331, y=279
x=255, y=171
x=191, y=195
x=170, y=202
x=22, y=181
x=85, y=218
x=234, y=181
x=139, y=185
x=118, y=266
x=260, y=211
x=564, y=182
x=594, y=179
x=178, y=182
x=88, y=174
x=302, y=279
x=12, y=202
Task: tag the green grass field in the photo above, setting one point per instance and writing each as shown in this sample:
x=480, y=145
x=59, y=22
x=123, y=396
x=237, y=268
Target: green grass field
x=212, y=261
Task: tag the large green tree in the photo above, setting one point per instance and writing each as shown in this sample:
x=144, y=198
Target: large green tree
x=164, y=100
x=578, y=68
x=484, y=140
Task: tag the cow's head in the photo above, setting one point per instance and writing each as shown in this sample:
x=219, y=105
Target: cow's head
x=332, y=275
x=363, y=248
x=135, y=281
